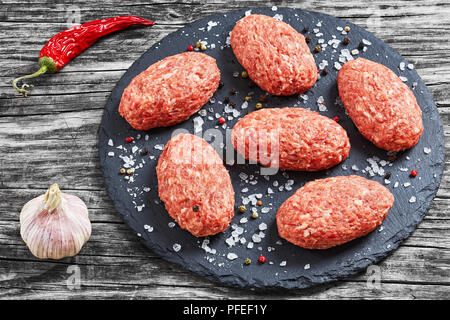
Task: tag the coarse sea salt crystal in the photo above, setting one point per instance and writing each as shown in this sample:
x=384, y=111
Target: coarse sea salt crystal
x=426, y=150
x=355, y=52
x=134, y=149
x=412, y=199
x=230, y=241
x=211, y=24
x=307, y=266
x=274, y=8
x=337, y=66
x=396, y=184
x=278, y=17
x=283, y=263
x=110, y=143
x=256, y=238
x=198, y=123
x=248, y=12
x=406, y=184
x=404, y=79
x=402, y=66
x=322, y=65
x=176, y=247
x=262, y=226
x=111, y=154
x=410, y=66
x=232, y=256
x=159, y=147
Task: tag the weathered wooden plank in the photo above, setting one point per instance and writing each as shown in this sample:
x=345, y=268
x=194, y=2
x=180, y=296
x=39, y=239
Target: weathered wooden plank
x=112, y=273
x=339, y=290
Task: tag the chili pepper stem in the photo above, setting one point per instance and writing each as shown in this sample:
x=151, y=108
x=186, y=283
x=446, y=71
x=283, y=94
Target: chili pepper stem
x=22, y=90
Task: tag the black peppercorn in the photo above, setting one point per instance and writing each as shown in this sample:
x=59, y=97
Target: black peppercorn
x=144, y=152
x=308, y=39
x=346, y=41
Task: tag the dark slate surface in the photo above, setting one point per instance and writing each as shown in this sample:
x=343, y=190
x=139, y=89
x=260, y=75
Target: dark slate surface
x=326, y=265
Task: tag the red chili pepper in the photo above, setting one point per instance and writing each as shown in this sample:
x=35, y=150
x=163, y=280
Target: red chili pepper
x=190, y=48
x=129, y=139
x=262, y=259
x=222, y=120
x=413, y=173
x=68, y=44
x=336, y=119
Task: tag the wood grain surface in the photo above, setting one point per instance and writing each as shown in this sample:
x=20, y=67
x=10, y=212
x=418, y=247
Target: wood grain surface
x=51, y=136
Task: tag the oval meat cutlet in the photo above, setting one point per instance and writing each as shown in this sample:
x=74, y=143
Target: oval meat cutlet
x=195, y=186
x=332, y=211
x=382, y=107
x=170, y=90
x=274, y=54
x=291, y=139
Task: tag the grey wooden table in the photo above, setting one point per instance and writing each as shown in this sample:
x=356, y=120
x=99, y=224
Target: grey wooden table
x=51, y=136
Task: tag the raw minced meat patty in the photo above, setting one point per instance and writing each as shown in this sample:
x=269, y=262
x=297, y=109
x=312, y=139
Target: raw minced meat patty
x=382, y=107
x=195, y=186
x=274, y=54
x=170, y=90
x=291, y=139
x=329, y=212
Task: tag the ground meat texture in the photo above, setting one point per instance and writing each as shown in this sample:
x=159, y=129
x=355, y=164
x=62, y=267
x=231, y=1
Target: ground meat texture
x=291, y=139
x=195, y=186
x=329, y=212
x=382, y=107
x=274, y=54
x=170, y=90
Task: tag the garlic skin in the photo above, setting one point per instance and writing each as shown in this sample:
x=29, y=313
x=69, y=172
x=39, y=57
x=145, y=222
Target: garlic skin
x=55, y=225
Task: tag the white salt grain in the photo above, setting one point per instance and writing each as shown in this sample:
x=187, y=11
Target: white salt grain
x=232, y=256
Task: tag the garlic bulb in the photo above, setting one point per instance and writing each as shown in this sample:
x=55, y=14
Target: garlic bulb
x=55, y=225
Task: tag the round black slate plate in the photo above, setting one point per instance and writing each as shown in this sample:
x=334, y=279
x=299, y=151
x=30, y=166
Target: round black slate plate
x=145, y=214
